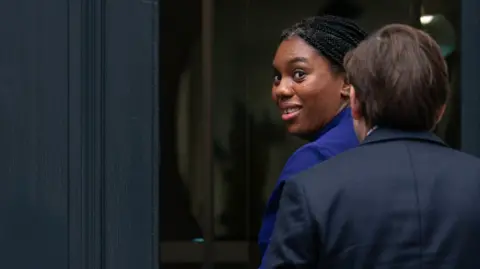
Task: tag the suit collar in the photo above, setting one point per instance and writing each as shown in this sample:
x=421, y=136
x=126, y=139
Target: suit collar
x=385, y=134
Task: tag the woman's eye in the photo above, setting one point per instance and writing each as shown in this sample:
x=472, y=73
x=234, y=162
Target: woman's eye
x=276, y=78
x=298, y=75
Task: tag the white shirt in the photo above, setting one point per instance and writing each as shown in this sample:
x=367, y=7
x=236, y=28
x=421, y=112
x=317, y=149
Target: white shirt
x=371, y=130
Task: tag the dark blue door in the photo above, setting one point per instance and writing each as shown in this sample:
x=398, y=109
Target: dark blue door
x=79, y=146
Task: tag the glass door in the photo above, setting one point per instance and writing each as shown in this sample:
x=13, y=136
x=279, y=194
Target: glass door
x=188, y=151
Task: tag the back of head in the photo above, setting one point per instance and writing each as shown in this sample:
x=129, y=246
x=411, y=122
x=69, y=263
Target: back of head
x=331, y=36
x=400, y=79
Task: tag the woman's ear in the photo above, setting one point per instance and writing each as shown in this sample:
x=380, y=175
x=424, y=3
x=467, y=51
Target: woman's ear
x=345, y=91
x=355, y=104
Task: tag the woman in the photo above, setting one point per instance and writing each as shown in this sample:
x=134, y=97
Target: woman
x=311, y=91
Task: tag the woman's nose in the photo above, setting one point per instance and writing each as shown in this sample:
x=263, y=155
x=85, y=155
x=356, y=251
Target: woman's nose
x=283, y=90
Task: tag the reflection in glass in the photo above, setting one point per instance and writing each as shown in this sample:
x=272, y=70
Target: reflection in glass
x=441, y=31
x=178, y=34
x=442, y=21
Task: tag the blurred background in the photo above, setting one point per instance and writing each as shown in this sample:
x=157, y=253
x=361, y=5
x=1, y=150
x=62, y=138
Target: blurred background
x=222, y=142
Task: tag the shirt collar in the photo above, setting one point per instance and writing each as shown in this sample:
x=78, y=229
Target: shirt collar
x=371, y=130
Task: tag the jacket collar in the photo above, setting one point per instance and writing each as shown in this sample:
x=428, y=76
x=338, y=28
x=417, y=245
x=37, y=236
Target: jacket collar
x=385, y=134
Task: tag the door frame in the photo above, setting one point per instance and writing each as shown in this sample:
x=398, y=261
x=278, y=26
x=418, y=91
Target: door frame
x=470, y=96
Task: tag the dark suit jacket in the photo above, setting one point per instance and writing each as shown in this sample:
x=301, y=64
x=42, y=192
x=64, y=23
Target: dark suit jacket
x=399, y=200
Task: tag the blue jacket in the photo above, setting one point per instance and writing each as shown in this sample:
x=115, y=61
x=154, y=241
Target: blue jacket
x=336, y=137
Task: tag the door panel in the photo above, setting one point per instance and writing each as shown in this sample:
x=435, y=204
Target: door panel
x=131, y=146
x=79, y=147
x=34, y=144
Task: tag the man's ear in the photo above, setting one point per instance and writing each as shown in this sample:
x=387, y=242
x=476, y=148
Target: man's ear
x=355, y=104
x=440, y=113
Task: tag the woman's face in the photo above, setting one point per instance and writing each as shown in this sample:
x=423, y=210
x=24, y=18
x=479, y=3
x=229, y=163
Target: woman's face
x=304, y=87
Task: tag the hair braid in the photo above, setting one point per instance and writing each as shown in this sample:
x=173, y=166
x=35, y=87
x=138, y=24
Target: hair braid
x=331, y=36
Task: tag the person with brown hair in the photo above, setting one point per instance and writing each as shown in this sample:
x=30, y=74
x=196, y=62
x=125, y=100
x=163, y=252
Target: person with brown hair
x=402, y=199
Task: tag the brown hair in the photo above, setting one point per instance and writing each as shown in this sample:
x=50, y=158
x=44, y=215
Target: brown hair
x=400, y=78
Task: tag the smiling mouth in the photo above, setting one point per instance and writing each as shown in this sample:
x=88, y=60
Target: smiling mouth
x=290, y=110
x=289, y=114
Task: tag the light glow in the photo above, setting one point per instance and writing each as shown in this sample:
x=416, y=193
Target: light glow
x=426, y=19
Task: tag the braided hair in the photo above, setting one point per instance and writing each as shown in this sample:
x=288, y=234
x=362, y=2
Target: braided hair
x=331, y=36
